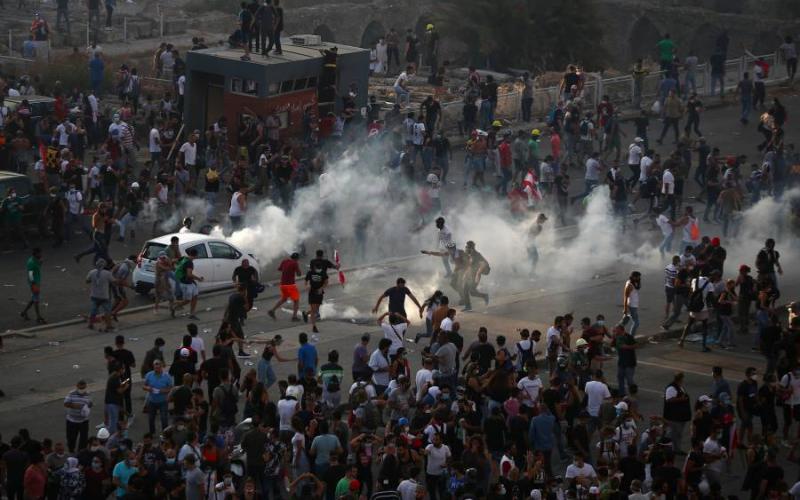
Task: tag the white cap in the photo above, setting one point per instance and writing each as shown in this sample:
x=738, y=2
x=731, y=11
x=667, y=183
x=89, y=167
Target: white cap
x=705, y=399
x=638, y=139
x=622, y=405
x=184, y=352
x=580, y=342
x=134, y=185
x=594, y=490
x=536, y=495
x=434, y=391
x=293, y=391
x=432, y=178
x=103, y=433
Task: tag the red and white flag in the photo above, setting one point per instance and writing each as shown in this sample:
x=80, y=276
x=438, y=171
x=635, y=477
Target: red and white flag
x=338, y=262
x=530, y=188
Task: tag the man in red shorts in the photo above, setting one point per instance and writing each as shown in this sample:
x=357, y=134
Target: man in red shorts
x=289, y=268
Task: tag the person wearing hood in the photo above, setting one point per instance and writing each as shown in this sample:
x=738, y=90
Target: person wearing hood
x=71, y=480
x=99, y=280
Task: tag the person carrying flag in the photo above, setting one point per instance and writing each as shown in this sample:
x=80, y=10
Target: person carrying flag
x=530, y=187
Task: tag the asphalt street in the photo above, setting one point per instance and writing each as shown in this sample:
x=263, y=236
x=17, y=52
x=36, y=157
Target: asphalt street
x=45, y=367
x=63, y=279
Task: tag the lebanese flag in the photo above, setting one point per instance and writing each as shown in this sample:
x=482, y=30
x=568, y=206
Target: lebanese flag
x=529, y=187
x=336, y=259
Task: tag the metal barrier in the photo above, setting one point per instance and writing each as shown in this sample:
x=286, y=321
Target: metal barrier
x=621, y=89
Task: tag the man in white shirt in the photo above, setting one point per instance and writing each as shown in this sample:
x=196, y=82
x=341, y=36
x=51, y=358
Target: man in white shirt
x=409, y=488
x=714, y=455
x=635, y=153
x=379, y=363
x=530, y=387
x=580, y=473
x=445, y=242
x=667, y=231
x=189, y=152
x=63, y=130
x=401, y=86
x=596, y=393
x=553, y=343
x=438, y=455
x=74, y=212
x=592, y=176
x=154, y=144
x=424, y=377
x=668, y=190
x=181, y=92
x=287, y=407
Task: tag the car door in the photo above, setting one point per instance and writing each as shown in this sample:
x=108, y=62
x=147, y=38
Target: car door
x=225, y=259
x=203, y=265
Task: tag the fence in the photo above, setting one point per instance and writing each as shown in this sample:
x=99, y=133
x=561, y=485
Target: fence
x=620, y=89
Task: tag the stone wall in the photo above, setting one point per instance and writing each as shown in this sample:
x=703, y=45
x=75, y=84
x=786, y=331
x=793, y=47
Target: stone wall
x=631, y=27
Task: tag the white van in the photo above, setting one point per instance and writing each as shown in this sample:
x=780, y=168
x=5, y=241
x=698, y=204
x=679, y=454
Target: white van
x=216, y=259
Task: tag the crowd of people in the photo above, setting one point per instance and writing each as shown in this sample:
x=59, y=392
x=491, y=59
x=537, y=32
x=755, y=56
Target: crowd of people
x=497, y=418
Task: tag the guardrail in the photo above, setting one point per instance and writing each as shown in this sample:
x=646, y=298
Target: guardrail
x=620, y=89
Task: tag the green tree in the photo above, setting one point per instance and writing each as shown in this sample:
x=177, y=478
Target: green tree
x=539, y=34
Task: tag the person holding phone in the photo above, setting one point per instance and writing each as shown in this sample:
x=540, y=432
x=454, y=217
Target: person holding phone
x=115, y=389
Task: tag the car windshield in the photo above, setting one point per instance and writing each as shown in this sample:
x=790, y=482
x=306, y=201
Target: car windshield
x=151, y=250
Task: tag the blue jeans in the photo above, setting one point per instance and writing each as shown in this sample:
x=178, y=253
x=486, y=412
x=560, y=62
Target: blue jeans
x=211, y=201
x=624, y=375
x=112, y=413
x=152, y=409
x=689, y=78
x=486, y=114
x=666, y=244
x=265, y=374
x=747, y=105
x=402, y=95
x=718, y=78
x=97, y=305
x=634, y=314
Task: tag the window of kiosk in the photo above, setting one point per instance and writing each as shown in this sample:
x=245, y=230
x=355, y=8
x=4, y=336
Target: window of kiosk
x=251, y=87
x=300, y=84
x=312, y=82
x=274, y=88
x=287, y=86
x=284, y=118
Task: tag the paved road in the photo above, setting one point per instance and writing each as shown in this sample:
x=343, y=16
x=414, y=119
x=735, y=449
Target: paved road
x=63, y=285
x=43, y=373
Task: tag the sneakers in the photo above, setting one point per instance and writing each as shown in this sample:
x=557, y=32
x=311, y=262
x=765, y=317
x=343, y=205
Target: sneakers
x=467, y=309
x=315, y=329
x=271, y=314
x=194, y=317
x=243, y=354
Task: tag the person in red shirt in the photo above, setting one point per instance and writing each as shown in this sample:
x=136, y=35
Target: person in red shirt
x=506, y=163
x=555, y=149
x=35, y=477
x=290, y=269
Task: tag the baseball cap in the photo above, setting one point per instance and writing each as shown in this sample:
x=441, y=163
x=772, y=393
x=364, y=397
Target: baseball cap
x=402, y=421
x=103, y=434
x=622, y=405
x=536, y=495
x=705, y=399
x=184, y=352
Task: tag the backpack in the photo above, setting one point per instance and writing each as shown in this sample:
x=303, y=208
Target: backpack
x=333, y=384
x=696, y=302
x=370, y=418
x=584, y=127
x=525, y=355
x=228, y=407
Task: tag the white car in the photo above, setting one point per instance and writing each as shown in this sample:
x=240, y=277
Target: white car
x=215, y=262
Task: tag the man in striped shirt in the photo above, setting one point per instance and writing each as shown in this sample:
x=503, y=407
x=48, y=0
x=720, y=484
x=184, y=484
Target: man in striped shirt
x=78, y=404
x=670, y=272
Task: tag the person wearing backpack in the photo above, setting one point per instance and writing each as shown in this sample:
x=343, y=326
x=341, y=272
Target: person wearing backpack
x=224, y=403
x=331, y=376
x=701, y=287
x=526, y=349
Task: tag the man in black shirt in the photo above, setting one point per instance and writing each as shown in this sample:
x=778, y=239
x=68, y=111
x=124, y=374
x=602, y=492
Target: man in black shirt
x=321, y=264
x=693, y=108
x=397, y=298
x=483, y=350
x=316, y=280
x=115, y=387
x=181, y=396
x=126, y=358
x=210, y=369
x=247, y=276
x=16, y=461
x=235, y=314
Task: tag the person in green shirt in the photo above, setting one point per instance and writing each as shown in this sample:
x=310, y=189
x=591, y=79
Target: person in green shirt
x=34, y=273
x=666, y=51
x=12, y=215
x=343, y=486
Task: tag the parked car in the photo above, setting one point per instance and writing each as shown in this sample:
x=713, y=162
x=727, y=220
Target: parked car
x=216, y=260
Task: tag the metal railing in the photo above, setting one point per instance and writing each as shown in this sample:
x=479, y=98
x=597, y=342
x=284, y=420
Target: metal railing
x=620, y=89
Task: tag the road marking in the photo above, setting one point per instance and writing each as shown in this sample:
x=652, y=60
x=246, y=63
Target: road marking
x=671, y=368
